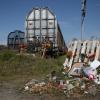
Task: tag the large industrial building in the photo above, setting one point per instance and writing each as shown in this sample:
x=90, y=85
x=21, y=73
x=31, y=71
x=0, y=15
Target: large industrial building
x=41, y=24
x=15, y=39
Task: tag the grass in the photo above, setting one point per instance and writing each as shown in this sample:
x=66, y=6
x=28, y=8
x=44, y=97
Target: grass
x=12, y=65
x=17, y=70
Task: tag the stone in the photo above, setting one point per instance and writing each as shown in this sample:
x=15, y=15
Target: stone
x=92, y=90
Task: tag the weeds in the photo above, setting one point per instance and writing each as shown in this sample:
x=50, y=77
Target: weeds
x=12, y=65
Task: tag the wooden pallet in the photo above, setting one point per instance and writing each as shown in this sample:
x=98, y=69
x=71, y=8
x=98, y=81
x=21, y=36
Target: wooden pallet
x=86, y=47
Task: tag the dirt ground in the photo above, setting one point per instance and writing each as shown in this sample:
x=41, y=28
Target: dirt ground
x=9, y=91
x=13, y=90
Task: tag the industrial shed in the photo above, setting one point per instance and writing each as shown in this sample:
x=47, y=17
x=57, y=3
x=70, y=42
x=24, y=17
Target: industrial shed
x=41, y=24
x=15, y=39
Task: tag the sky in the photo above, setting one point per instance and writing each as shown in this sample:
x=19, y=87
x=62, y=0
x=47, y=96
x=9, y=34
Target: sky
x=68, y=13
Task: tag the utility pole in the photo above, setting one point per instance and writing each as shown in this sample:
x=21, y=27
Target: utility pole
x=83, y=9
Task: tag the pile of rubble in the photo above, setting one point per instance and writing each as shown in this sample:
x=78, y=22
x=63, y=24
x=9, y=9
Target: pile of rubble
x=68, y=87
x=79, y=76
x=77, y=83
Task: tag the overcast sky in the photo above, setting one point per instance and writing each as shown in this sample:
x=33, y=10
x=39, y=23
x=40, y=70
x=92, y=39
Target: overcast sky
x=68, y=13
